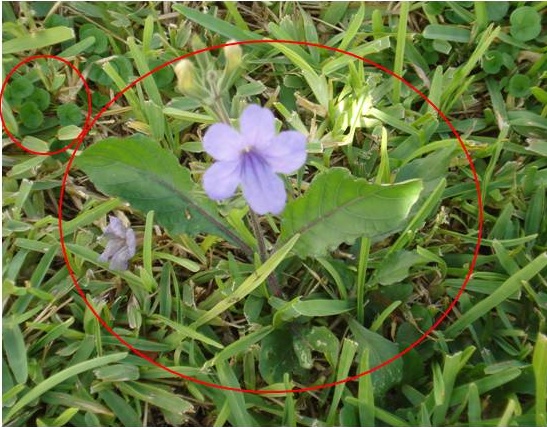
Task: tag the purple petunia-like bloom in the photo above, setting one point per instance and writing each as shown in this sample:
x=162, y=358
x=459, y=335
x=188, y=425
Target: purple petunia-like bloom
x=252, y=158
x=121, y=244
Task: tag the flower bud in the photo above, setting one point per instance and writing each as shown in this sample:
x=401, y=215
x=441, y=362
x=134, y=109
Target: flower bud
x=233, y=54
x=184, y=71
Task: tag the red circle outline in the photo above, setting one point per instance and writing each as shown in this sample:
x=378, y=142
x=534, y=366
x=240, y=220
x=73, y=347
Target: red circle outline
x=303, y=389
x=87, y=123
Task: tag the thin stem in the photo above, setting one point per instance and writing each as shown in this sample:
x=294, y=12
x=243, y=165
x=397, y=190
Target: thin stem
x=218, y=105
x=273, y=284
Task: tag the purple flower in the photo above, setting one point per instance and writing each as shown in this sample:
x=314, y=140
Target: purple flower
x=121, y=244
x=252, y=157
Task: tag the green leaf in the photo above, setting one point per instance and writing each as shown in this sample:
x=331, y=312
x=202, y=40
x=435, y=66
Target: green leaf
x=395, y=267
x=381, y=350
x=525, y=23
x=321, y=338
x=123, y=410
x=496, y=10
x=339, y=208
x=492, y=62
x=447, y=32
x=58, y=378
x=318, y=84
x=240, y=415
x=214, y=24
x=69, y=114
x=335, y=62
x=151, y=178
x=323, y=307
x=508, y=288
x=38, y=40
x=540, y=374
x=519, y=85
x=14, y=346
x=117, y=372
x=41, y=98
x=249, y=284
x=537, y=146
x=31, y=116
x=156, y=396
x=277, y=357
x=101, y=40
x=21, y=87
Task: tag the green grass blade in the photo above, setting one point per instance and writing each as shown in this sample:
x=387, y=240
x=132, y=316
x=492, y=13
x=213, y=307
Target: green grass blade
x=400, y=49
x=349, y=348
x=249, y=285
x=509, y=287
x=539, y=364
x=59, y=377
x=38, y=40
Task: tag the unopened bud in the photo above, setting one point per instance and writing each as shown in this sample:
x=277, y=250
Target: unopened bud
x=233, y=54
x=185, y=75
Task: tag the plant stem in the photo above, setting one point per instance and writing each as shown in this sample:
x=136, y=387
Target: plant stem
x=218, y=105
x=273, y=284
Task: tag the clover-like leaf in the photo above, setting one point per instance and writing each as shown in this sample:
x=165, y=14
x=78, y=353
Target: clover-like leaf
x=525, y=23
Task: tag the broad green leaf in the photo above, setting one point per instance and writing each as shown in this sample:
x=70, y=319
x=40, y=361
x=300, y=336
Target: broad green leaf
x=321, y=338
x=151, y=178
x=339, y=208
x=38, y=40
x=381, y=350
x=277, y=357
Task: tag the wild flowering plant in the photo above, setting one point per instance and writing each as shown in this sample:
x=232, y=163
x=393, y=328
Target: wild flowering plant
x=335, y=208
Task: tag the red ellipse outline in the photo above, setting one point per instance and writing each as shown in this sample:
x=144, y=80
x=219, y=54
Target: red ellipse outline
x=303, y=389
x=87, y=123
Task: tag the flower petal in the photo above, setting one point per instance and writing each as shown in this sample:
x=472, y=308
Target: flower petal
x=262, y=188
x=221, y=179
x=223, y=142
x=257, y=126
x=115, y=228
x=113, y=246
x=120, y=259
x=131, y=242
x=287, y=152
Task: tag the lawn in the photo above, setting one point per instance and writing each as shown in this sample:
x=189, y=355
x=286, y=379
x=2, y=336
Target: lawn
x=274, y=213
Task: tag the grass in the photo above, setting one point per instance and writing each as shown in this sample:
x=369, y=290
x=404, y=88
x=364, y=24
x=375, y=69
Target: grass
x=202, y=307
